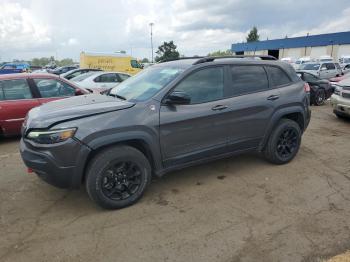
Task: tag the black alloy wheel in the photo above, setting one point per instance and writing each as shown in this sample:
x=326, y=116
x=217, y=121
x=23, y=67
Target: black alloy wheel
x=287, y=143
x=320, y=97
x=118, y=176
x=284, y=142
x=121, y=180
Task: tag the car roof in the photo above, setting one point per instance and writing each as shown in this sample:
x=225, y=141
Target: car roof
x=239, y=60
x=186, y=63
x=27, y=75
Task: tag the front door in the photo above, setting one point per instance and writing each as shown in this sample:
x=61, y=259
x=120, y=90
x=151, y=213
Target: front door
x=199, y=129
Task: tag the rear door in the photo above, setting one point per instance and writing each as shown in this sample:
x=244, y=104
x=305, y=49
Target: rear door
x=52, y=89
x=16, y=99
x=251, y=105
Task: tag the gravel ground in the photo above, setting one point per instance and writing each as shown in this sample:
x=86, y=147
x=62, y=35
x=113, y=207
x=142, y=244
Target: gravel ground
x=237, y=209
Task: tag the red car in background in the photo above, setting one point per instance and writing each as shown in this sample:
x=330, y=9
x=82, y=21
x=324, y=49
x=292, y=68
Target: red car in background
x=21, y=92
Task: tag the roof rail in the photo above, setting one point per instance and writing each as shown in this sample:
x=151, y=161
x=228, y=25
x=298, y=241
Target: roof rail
x=212, y=58
x=181, y=58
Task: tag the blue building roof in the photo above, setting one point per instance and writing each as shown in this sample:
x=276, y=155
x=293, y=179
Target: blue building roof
x=295, y=42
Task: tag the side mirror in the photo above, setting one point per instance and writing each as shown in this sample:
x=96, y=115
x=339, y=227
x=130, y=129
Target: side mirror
x=323, y=69
x=177, y=98
x=78, y=92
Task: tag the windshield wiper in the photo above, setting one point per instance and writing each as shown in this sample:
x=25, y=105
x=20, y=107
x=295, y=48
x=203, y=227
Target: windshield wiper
x=117, y=96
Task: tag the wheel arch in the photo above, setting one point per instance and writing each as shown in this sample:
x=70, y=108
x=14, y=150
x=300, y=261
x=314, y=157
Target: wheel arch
x=294, y=113
x=142, y=142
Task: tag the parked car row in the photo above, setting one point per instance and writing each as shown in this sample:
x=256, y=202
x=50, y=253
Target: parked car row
x=21, y=92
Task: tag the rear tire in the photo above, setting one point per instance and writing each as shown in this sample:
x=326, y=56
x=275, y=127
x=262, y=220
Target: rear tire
x=283, y=143
x=117, y=177
x=320, y=97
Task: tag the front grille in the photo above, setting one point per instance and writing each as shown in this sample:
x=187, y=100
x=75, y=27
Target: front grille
x=346, y=88
x=346, y=95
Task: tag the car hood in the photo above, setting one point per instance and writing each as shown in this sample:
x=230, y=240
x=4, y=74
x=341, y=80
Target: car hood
x=73, y=108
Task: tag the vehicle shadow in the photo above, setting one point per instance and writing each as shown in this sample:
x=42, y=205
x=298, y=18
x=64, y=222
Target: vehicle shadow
x=9, y=140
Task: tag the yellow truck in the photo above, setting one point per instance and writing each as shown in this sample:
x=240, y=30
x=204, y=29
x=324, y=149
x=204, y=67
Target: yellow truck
x=116, y=62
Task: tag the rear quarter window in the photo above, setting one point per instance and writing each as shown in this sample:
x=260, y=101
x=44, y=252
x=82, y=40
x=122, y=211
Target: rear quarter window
x=248, y=79
x=277, y=76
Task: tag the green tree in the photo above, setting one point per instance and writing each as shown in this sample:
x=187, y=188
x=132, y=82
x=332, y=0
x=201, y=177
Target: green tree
x=145, y=60
x=65, y=62
x=40, y=61
x=253, y=35
x=221, y=53
x=167, y=51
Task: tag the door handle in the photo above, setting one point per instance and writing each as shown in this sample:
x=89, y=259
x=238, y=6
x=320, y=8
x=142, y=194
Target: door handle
x=219, y=107
x=273, y=97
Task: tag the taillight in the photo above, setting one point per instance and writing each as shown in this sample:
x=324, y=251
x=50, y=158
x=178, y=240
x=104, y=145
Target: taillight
x=306, y=87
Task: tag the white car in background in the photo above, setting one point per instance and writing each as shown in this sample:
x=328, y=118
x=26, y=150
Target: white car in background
x=324, y=70
x=289, y=60
x=344, y=60
x=301, y=61
x=100, y=81
x=325, y=58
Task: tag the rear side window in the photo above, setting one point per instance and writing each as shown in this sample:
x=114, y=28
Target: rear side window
x=330, y=66
x=277, y=76
x=15, y=90
x=107, y=78
x=53, y=88
x=248, y=79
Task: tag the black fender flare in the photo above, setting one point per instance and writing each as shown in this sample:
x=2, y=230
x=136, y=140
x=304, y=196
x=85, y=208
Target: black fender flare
x=150, y=141
x=280, y=113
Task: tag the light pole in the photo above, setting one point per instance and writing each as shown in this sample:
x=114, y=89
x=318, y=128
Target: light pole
x=151, y=25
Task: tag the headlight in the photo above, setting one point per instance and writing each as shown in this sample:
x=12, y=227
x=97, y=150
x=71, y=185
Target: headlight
x=337, y=90
x=51, y=136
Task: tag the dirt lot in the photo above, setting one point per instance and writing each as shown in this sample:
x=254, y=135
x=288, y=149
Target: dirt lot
x=238, y=209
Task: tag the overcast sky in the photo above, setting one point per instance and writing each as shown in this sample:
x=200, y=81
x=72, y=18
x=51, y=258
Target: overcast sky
x=36, y=28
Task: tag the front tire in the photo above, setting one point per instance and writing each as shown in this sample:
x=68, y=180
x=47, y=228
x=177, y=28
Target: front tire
x=117, y=177
x=283, y=143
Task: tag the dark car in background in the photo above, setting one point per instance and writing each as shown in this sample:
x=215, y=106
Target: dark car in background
x=77, y=72
x=320, y=89
x=21, y=92
x=62, y=69
x=169, y=116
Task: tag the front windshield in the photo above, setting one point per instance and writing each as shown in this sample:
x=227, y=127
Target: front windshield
x=147, y=83
x=310, y=67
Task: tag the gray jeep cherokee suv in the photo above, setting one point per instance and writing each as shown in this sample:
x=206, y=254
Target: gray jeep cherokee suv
x=169, y=116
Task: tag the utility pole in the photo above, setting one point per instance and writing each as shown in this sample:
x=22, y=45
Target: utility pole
x=151, y=25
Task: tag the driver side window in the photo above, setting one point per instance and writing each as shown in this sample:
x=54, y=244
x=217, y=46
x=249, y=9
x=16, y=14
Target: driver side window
x=204, y=85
